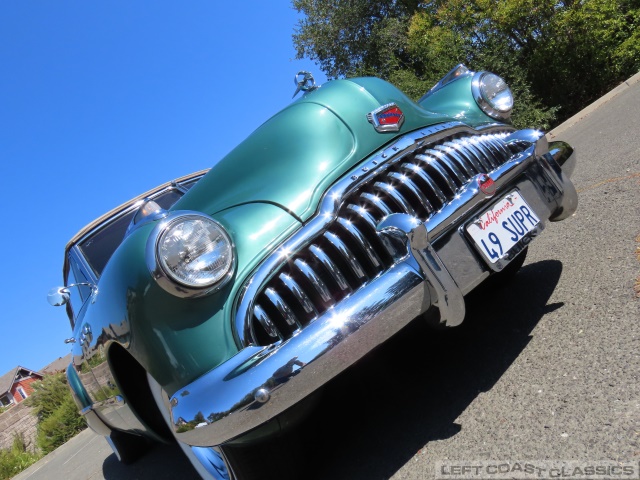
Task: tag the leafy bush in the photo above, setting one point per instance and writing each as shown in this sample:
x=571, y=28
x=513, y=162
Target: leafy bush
x=16, y=459
x=63, y=424
x=58, y=417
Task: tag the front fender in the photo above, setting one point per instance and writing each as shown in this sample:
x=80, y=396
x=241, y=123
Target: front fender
x=178, y=339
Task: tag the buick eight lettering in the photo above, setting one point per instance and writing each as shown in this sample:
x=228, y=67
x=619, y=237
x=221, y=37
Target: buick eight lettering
x=208, y=310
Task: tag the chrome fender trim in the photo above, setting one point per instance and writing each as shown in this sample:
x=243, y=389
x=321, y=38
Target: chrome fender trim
x=259, y=383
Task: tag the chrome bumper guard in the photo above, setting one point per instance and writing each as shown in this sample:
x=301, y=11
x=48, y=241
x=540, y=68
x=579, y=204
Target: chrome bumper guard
x=259, y=383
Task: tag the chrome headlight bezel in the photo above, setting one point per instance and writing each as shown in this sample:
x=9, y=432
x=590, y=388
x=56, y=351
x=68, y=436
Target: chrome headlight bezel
x=164, y=276
x=484, y=99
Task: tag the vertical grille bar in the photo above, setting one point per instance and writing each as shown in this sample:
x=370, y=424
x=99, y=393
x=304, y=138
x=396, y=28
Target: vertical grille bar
x=330, y=266
x=360, y=239
x=319, y=286
x=282, y=307
x=266, y=322
x=298, y=293
x=346, y=254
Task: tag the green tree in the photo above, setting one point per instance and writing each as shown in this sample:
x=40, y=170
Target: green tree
x=557, y=55
x=354, y=37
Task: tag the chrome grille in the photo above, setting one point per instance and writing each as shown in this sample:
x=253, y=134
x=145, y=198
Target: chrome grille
x=346, y=252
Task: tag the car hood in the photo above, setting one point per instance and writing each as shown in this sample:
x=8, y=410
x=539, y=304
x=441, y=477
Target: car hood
x=296, y=155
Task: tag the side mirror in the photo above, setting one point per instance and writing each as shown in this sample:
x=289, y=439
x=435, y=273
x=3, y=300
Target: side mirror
x=58, y=296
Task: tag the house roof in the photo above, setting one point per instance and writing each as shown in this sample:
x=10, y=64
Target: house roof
x=58, y=365
x=8, y=379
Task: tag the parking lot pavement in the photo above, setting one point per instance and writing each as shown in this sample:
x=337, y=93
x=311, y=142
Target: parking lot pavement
x=88, y=456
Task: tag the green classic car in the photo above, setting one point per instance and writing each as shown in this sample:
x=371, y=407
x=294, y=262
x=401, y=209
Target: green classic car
x=207, y=310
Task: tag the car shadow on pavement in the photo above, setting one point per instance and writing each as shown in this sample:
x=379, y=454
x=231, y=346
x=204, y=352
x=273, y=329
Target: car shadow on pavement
x=160, y=463
x=375, y=416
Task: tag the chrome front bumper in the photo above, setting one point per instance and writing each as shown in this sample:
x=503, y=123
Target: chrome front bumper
x=259, y=383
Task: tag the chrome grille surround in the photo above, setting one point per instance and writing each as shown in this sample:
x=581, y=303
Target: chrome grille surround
x=339, y=251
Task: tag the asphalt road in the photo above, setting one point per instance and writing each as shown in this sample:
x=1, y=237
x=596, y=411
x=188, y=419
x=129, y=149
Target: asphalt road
x=546, y=369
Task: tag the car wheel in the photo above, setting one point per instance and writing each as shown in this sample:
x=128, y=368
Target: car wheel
x=210, y=462
x=236, y=462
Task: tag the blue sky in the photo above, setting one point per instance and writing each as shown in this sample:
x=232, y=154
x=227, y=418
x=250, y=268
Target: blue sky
x=101, y=101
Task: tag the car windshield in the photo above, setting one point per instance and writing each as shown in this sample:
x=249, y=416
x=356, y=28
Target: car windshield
x=98, y=248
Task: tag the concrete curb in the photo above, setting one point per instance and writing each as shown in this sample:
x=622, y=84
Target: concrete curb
x=552, y=134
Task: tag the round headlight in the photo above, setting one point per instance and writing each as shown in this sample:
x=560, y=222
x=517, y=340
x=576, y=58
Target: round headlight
x=192, y=251
x=492, y=94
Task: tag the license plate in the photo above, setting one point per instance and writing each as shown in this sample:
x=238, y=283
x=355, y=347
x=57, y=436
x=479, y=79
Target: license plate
x=501, y=227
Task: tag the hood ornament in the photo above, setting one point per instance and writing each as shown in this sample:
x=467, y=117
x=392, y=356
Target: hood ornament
x=304, y=81
x=387, y=118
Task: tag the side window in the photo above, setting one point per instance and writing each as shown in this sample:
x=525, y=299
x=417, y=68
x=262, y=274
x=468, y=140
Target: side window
x=83, y=290
x=98, y=248
x=80, y=294
x=75, y=301
x=190, y=183
x=168, y=198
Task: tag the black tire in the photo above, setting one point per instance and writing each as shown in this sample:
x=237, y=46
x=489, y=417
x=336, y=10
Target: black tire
x=256, y=461
x=277, y=458
x=129, y=448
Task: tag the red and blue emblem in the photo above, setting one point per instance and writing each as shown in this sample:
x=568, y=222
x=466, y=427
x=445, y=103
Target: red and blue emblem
x=387, y=118
x=486, y=184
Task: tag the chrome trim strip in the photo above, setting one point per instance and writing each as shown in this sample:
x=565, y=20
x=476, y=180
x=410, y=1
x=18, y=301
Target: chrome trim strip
x=457, y=72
